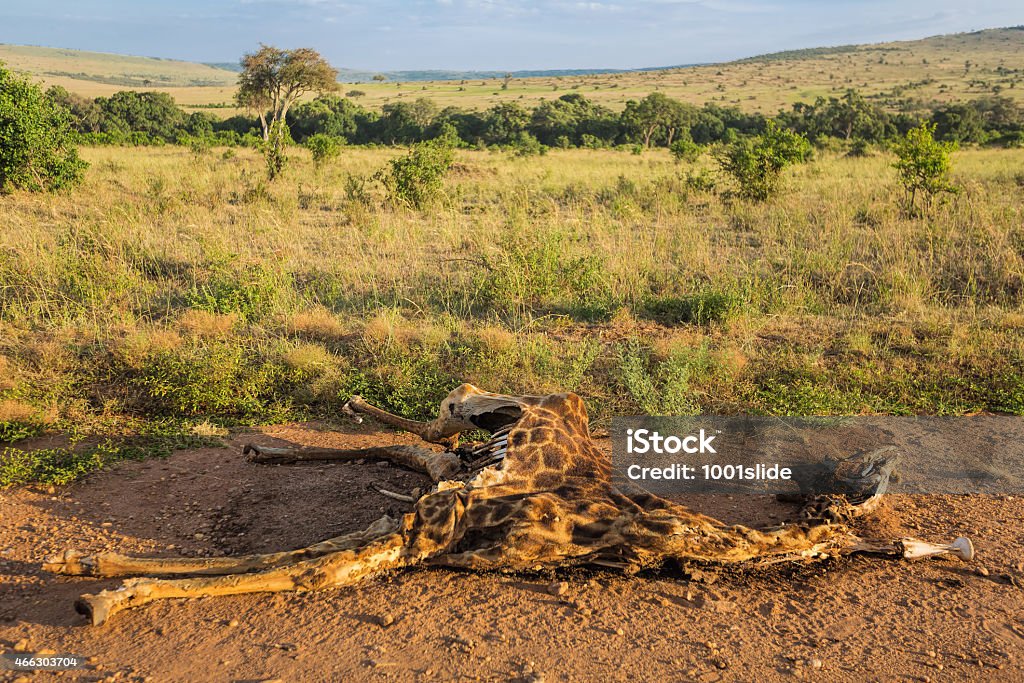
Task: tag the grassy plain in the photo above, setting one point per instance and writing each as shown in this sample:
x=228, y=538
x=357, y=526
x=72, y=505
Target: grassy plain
x=942, y=68
x=175, y=292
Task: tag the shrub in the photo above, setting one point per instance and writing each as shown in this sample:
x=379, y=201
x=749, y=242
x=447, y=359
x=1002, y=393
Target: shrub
x=274, y=149
x=701, y=308
x=417, y=178
x=685, y=149
x=757, y=163
x=324, y=147
x=701, y=181
x=36, y=148
x=526, y=145
x=923, y=165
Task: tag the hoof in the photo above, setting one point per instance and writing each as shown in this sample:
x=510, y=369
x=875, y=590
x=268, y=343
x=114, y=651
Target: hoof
x=94, y=608
x=99, y=608
x=963, y=548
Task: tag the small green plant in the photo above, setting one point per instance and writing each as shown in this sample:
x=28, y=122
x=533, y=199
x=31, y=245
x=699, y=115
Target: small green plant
x=923, y=164
x=324, y=148
x=757, y=163
x=526, y=145
x=36, y=149
x=274, y=149
x=698, y=309
x=685, y=149
x=64, y=465
x=661, y=387
x=700, y=181
x=200, y=146
x=417, y=178
x=356, y=191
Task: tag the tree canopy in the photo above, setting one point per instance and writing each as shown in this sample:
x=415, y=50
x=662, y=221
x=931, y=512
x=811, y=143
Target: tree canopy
x=273, y=79
x=36, y=148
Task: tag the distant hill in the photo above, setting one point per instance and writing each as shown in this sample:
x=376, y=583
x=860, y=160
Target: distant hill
x=362, y=76
x=112, y=69
x=899, y=75
x=355, y=76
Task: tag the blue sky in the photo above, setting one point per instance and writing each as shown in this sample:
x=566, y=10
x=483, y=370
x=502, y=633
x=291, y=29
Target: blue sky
x=488, y=34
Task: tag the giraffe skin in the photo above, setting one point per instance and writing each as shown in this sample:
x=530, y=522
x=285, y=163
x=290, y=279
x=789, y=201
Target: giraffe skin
x=538, y=494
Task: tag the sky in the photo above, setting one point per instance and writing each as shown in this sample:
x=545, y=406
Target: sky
x=488, y=34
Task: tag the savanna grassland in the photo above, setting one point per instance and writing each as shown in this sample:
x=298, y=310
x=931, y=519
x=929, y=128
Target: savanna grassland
x=938, y=69
x=176, y=293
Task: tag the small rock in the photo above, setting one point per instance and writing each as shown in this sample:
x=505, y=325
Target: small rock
x=558, y=588
x=386, y=620
x=982, y=571
x=586, y=611
x=21, y=646
x=46, y=652
x=619, y=632
x=199, y=537
x=817, y=663
x=233, y=623
x=931, y=653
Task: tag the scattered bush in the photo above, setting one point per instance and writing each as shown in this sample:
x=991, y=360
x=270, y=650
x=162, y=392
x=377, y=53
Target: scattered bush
x=756, y=164
x=36, y=148
x=923, y=165
x=526, y=145
x=685, y=149
x=697, y=309
x=417, y=178
x=324, y=147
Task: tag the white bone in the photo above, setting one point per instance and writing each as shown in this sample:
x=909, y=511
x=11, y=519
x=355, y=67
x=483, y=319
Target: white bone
x=915, y=550
x=393, y=495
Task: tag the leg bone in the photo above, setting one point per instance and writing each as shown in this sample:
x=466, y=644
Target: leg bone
x=75, y=563
x=437, y=466
x=337, y=569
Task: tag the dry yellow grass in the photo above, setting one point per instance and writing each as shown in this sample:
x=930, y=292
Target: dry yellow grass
x=219, y=294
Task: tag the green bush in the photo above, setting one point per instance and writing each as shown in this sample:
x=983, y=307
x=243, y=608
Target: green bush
x=324, y=147
x=685, y=149
x=757, y=163
x=695, y=309
x=923, y=165
x=417, y=178
x=36, y=142
x=663, y=387
x=526, y=145
x=222, y=379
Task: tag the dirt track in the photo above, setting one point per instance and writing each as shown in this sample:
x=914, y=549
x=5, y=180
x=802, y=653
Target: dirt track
x=862, y=619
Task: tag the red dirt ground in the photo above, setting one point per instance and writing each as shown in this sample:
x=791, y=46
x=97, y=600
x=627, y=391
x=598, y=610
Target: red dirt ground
x=862, y=619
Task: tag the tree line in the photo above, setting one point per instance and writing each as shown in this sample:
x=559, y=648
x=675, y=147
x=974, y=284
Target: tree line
x=572, y=120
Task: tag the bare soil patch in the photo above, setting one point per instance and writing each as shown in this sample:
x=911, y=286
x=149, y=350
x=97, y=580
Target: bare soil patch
x=861, y=619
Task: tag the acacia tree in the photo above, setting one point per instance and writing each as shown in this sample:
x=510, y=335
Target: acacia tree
x=659, y=113
x=272, y=80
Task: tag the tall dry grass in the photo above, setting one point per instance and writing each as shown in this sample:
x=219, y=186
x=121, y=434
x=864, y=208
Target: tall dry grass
x=178, y=285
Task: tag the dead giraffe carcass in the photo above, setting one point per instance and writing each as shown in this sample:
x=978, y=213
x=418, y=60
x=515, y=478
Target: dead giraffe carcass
x=537, y=494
